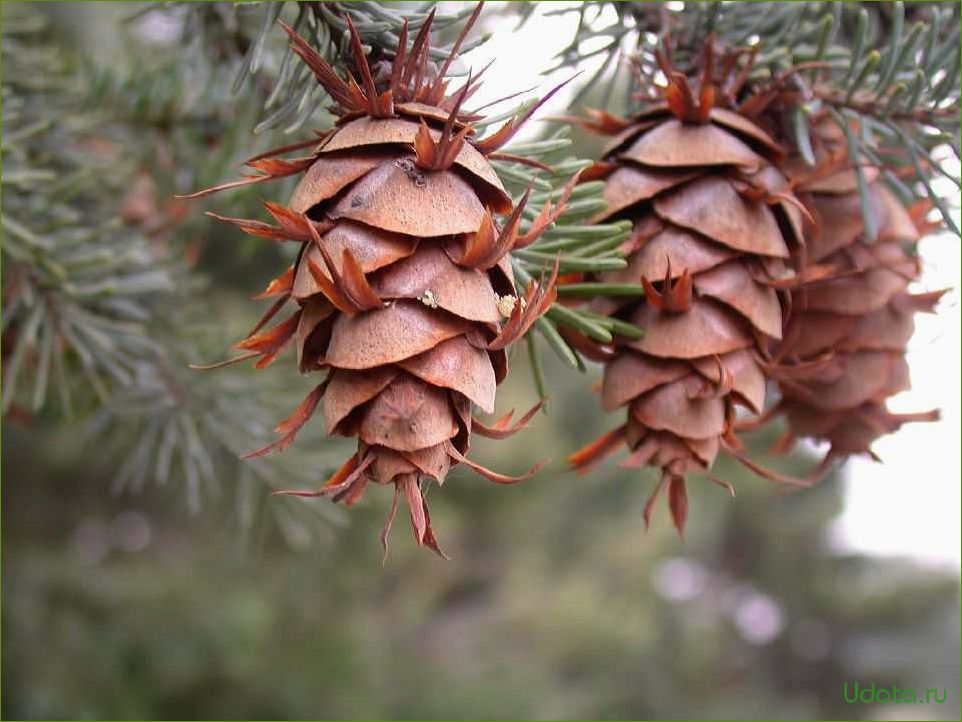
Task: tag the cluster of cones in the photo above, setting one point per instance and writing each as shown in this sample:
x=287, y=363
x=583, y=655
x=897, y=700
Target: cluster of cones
x=757, y=273
x=758, y=276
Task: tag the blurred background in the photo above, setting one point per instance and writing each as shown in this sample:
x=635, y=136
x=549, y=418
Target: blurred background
x=129, y=599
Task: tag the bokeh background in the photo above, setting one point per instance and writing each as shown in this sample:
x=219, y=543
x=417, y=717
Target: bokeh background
x=556, y=604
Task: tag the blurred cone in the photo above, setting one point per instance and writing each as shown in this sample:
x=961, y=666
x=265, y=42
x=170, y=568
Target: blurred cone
x=843, y=353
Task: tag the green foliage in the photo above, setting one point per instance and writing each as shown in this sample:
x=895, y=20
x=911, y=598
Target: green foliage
x=77, y=281
x=899, y=85
x=248, y=35
x=861, y=63
x=192, y=428
x=630, y=31
x=93, y=248
x=575, y=246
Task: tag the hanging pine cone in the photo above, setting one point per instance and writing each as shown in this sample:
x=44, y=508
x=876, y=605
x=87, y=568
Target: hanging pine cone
x=404, y=291
x=714, y=222
x=843, y=353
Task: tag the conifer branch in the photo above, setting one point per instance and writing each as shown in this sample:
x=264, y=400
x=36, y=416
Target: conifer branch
x=91, y=247
x=881, y=64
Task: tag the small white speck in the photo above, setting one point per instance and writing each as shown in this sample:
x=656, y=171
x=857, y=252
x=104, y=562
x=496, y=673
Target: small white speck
x=506, y=304
x=428, y=299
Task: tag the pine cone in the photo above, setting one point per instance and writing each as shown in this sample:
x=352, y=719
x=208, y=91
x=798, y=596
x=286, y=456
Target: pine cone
x=404, y=290
x=714, y=223
x=843, y=353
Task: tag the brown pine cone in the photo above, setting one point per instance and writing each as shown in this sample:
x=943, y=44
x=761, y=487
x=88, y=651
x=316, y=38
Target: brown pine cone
x=714, y=223
x=404, y=291
x=843, y=354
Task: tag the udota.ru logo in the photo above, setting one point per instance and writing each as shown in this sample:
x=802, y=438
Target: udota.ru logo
x=890, y=695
